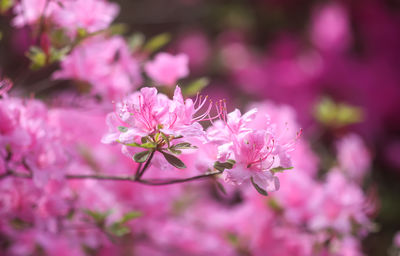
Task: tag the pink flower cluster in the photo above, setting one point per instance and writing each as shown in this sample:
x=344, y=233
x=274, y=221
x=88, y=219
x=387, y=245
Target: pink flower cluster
x=256, y=154
x=106, y=64
x=91, y=15
x=27, y=140
x=66, y=189
x=307, y=216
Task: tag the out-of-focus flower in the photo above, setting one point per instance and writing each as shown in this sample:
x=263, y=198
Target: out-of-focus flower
x=196, y=46
x=330, y=27
x=91, y=15
x=340, y=211
x=71, y=15
x=106, y=64
x=166, y=69
x=29, y=11
x=353, y=156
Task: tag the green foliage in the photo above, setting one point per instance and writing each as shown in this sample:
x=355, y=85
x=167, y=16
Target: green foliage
x=196, y=86
x=336, y=115
x=174, y=161
x=5, y=5
x=183, y=145
x=280, y=169
x=58, y=54
x=225, y=165
x=136, y=41
x=142, y=157
x=157, y=42
x=98, y=217
x=119, y=228
x=37, y=57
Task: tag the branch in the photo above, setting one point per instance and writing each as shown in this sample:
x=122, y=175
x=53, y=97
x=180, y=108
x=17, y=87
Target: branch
x=151, y=182
x=159, y=182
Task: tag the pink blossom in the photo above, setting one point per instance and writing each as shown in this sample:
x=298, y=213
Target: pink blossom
x=24, y=129
x=256, y=151
x=330, y=27
x=105, y=63
x=338, y=210
x=166, y=69
x=294, y=195
x=5, y=86
x=146, y=112
x=253, y=155
x=91, y=15
x=353, y=156
x=29, y=11
x=196, y=46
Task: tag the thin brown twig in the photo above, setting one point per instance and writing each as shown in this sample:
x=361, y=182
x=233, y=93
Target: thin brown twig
x=151, y=182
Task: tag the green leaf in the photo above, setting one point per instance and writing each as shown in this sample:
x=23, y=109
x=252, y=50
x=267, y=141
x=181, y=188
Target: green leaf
x=118, y=229
x=225, y=165
x=58, y=54
x=37, y=57
x=174, y=161
x=98, y=217
x=183, y=145
x=174, y=151
x=133, y=144
x=334, y=114
x=136, y=41
x=157, y=42
x=117, y=29
x=258, y=188
x=196, y=86
x=130, y=216
x=5, y=5
x=148, y=145
x=141, y=157
x=280, y=169
x=122, y=128
x=231, y=161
